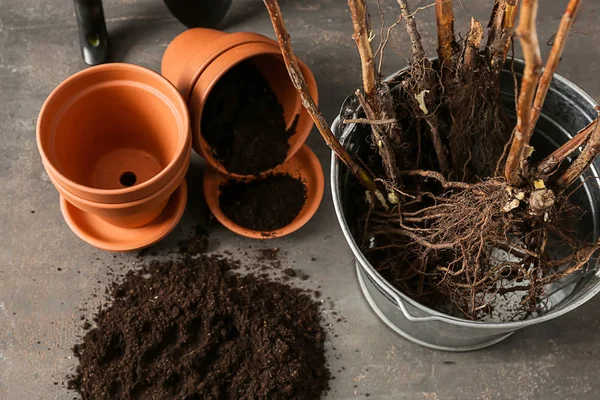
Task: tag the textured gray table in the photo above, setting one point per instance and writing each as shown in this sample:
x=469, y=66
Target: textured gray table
x=39, y=305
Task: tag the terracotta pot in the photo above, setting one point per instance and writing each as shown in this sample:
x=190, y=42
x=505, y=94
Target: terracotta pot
x=114, y=133
x=195, y=68
x=191, y=51
x=304, y=165
x=127, y=215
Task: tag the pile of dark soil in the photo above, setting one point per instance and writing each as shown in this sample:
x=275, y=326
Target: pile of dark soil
x=194, y=329
x=263, y=204
x=244, y=124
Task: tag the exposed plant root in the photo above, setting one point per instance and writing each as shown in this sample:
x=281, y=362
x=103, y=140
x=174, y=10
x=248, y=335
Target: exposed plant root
x=423, y=85
x=478, y=131
x=480, y=238
x=451, y=231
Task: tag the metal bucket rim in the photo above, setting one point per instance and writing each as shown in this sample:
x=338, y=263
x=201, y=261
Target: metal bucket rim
x=396, y=294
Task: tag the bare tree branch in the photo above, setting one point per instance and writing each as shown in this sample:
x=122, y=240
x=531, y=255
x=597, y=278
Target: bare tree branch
x=502, y=22
x=549, y=163
x=381, y=141
x=308, y=102
x=444, y=18
x=533, y=61
x=553, y=60
x=358, y=10
x=413, y=32
x=472, y=44
x=582, y=162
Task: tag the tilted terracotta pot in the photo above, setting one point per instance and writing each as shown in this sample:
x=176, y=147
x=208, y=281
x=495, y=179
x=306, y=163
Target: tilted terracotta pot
x=193, y=50
x=198, y=58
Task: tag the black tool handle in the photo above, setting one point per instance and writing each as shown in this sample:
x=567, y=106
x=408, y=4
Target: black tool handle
x=199, y=13
x=93, y=38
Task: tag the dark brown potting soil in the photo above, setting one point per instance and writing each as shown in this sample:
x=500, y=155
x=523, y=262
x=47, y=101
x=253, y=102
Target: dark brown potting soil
x=193, y=329
x=243, y=122
x=263, y=204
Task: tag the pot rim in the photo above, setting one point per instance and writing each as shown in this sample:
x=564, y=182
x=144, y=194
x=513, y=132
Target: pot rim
x=398, y=296
x=178, y=106
x=201, y=61
x=249, y=50
x=172, y=185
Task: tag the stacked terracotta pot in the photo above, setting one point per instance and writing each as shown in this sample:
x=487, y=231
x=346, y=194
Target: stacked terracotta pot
x=115, y=142
x=195, y=61
x=115, y=139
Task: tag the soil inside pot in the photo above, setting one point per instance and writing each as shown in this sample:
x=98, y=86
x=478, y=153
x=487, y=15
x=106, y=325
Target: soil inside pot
x=263, y=204
x=244, y=124
x=196, y=329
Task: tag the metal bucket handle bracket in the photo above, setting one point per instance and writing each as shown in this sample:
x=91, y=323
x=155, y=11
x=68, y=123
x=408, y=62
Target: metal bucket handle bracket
x=401, y=304
x=408, y=315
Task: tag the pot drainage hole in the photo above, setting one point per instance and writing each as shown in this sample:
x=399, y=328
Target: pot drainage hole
x=128, y=179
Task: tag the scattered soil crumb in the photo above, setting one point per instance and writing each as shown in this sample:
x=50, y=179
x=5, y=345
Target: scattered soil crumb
x=196, y=244
x=271, y=254
x=289, y=272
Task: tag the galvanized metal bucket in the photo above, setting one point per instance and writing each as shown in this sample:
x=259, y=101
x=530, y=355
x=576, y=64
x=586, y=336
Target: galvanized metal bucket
x=566, y=111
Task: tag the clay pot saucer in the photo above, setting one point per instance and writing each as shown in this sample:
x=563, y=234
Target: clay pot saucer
x=303, y=165
x=99, y=233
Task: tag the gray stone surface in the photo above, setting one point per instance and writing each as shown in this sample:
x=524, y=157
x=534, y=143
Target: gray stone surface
x=47, y=275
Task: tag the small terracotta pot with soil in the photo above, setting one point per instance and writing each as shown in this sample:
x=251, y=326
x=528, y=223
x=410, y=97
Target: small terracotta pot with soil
x=247, y=117
x=271, y=205
x=115, y=142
